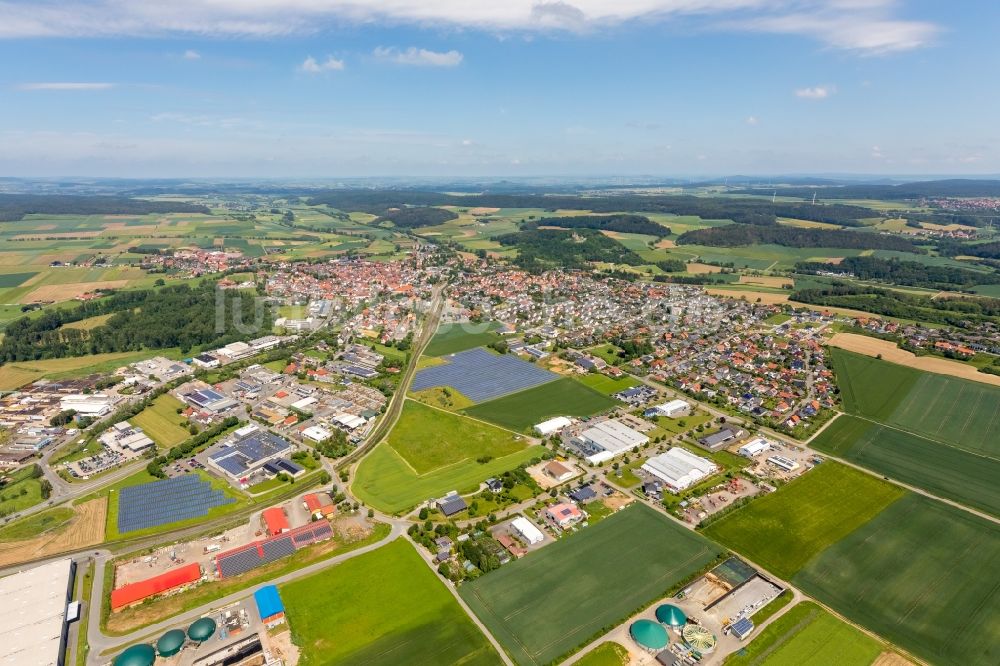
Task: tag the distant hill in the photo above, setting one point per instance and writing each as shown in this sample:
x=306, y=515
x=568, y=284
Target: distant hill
x=16, y=206
x=955, y=187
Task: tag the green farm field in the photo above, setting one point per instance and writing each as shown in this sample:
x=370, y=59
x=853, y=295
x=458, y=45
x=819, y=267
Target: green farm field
x=922, y=574
x=607, y=385
x=784, y=530
x=20, y=490
x=562, y=397
x=945, y=471
x=162, y=422
x=446, y=447
x=382, y=607
x=15, y=375
x=950, y=410
x=453, y=338
x=605, y=654
x=807, y=635
x=551, y=602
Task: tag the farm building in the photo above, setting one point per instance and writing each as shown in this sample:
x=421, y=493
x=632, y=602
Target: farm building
x=249, y=452
x=755, y=447
x=679, y=469
x=34, y=621
x=546, y=428
x=524, y=529
x=275, y=521
x=318, y=505
x=269, y=606
x=606, y=440
x=134, y=593
x=670, y=410
x=564, y=514
x=451, y=504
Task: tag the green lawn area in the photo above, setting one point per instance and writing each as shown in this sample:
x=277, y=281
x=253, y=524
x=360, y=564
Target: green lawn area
x=607, y=385
x=605, y=654
x=562, y=397
x=777, y=319
x=549, y=603
x=596, y=511
x=922, y=574
x=943, y=470
x=807, y=635
x=608, y=352
x=265, y=486
x=20, y=490
x=383, y=607
x=162, y=422
x=431, y=452
x=953, y=411
x=784, y=530
x=36, y=524
x=453, y=338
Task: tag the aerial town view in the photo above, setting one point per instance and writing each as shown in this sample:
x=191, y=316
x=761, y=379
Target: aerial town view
x=527, y=333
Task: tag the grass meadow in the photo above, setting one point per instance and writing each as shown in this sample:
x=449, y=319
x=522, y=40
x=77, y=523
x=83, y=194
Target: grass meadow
x=454, y=338
x=382, y=607
x=784, y=530
x=550, y=603
x=161, y=422
x=607, y=385
x=562, y=397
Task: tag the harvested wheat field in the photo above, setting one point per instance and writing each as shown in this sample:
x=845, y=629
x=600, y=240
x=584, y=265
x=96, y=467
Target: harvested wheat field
x=695, y=268
x=891, y=659
x=63, y=292
x=775, y=281
x=862, y=344
x=85, y=529
x=665, y=244
x=765, y=297
x=483, y=210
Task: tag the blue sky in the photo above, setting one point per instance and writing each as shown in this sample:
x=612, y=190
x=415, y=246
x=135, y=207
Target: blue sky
x=338, y=88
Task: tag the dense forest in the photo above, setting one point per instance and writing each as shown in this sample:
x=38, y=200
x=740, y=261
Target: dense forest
x=418, y=216
x=910, y=273
x=623, y=223
x=540, y=249
x=955, y=187
x=16, y=206
x=990, y=250
x=176, y=316
x=745, y=211
x=951, y=311
x=739, y=235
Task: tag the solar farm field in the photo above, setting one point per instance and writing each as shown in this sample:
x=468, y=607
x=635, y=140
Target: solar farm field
x=521, y=410
x=551, y=602
x=431, y=452
x=808, y=635
x=480, y=375
x=170, y=500
x=383, y=607
x=943, y=470
x=784, y=530
x=453, y=338
x=923, y=575
x=946, y=409
x=162, y=422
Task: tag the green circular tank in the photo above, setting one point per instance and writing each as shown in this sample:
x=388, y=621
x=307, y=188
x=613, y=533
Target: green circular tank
x=136, y=655
x=650, y=635
x=170, y=643
x=201, y=630
x=671, y=615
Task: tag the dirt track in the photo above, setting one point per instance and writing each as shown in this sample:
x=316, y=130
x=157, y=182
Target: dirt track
x=85, y=529
x=862, y=344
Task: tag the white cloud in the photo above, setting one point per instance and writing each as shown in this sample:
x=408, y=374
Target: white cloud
x=312, y=66
x=865, y=26
x=191, y=54
x=752, y=120
x=816, y=92
x=418, y=57
x=877, y=153
x=66, y=85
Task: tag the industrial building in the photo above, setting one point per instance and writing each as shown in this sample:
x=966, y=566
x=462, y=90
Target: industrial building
x=249, y=452
x=671, y=410
x=606, y=440
x=755, y=447
x=137, y=592
x=679, y=469
x=269, y=606
x=546, y=428
x=524, y=529
x=94, y=404
x=33, y=625
x=124, y=436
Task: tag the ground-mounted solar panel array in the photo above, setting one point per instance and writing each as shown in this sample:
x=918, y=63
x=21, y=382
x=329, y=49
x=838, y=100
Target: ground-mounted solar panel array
x=480, y=375
x=257, y=554
x=168, y=501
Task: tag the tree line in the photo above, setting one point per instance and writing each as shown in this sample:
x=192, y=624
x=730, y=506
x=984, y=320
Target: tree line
x=541, y=249
x=739, y=235
x=909, y=273
x=622, y=223
x=15, y=206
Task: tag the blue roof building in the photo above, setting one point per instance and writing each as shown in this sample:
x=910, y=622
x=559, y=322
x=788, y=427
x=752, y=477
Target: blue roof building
x=269, y=605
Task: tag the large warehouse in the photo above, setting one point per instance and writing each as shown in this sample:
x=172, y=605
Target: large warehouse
x=249, y=452
x=679, y=469
x=33, y=622
x=606, y=440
